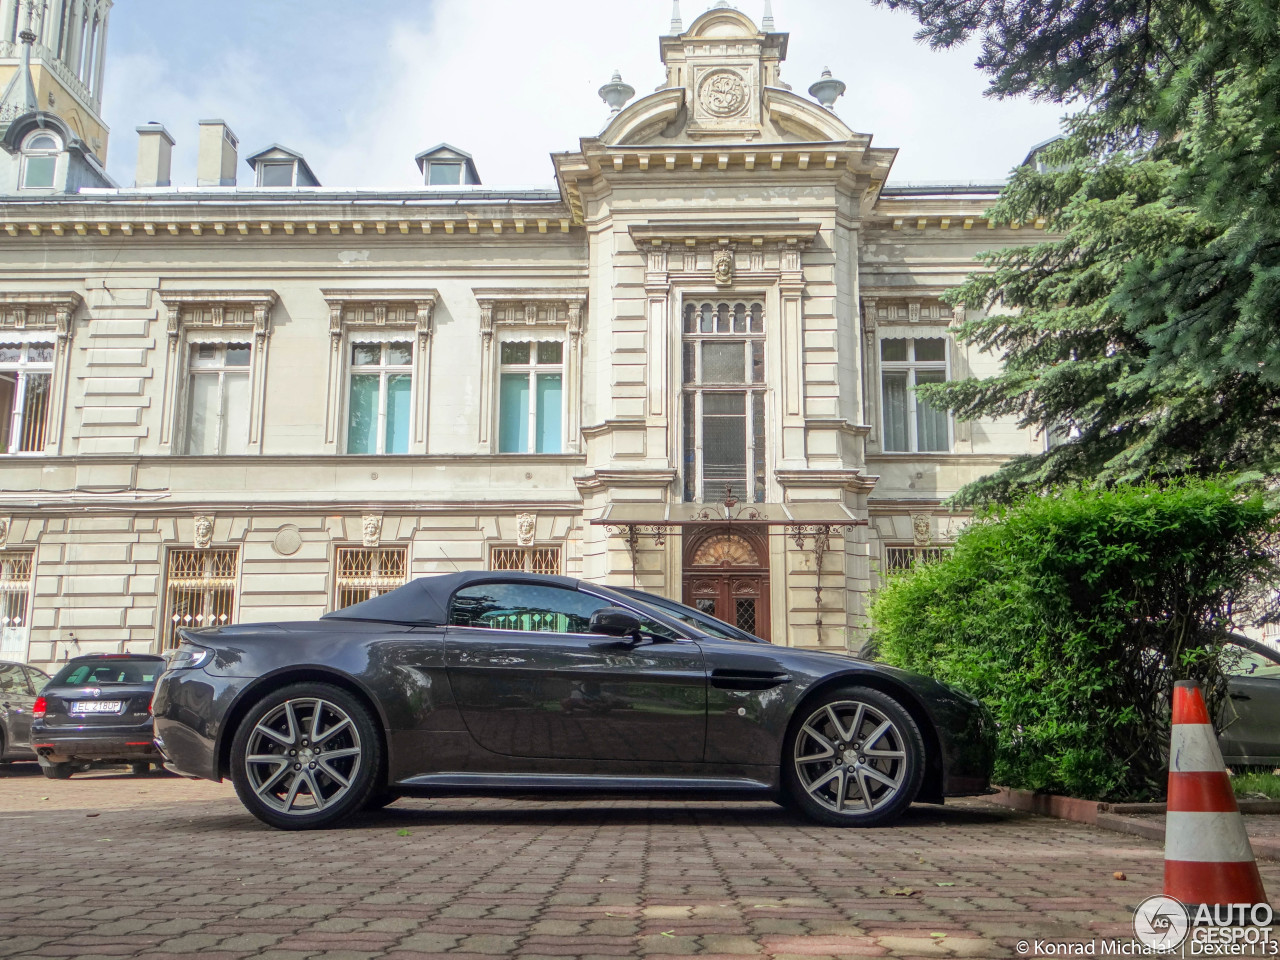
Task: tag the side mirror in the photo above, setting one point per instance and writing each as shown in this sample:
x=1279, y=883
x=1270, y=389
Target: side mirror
x=615, y=622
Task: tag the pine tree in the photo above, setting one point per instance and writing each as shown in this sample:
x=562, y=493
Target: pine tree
x=1145, y=329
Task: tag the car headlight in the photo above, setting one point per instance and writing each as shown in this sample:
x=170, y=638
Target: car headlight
x=189, y=656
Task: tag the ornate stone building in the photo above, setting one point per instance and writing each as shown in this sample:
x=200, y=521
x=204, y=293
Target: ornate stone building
x=687, y=365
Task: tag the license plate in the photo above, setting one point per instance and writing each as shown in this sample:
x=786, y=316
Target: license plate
x=96, y=706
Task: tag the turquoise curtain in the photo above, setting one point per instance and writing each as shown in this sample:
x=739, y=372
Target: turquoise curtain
x=513, y=414
x=397, y=434
x=362, y=418
x=550, y=407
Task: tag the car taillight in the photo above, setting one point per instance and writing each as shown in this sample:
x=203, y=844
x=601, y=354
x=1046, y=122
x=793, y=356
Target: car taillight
x=150, y=702
x=39, y=707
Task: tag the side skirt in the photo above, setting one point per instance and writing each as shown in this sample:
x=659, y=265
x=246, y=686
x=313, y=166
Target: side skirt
x=490, y=784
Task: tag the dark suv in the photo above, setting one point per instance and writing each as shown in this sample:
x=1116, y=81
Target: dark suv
x=97, y=707
x=19, y=686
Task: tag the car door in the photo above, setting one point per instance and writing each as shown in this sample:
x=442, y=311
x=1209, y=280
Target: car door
x=1250, y=718
x=16, y=700
x=531, y=682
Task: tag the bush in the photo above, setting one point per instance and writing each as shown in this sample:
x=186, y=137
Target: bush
x=1071, y=615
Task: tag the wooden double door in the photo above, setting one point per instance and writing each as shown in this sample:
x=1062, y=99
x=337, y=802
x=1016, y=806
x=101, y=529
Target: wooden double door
x=726, y=574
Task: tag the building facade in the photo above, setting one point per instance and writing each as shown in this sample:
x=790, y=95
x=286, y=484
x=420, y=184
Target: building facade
x=687, y=366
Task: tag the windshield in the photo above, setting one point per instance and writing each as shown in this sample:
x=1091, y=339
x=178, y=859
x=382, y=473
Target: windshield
x=117, y=670
x=1240, y=661
x=695, y=618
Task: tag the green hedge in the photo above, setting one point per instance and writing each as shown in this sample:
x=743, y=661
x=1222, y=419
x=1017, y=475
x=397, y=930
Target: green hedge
x=1071, y=615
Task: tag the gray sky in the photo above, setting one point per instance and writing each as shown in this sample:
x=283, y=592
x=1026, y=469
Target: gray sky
x=360, y=86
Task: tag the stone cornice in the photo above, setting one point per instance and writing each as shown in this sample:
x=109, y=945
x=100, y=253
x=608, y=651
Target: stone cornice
x=218, y=309
x=49, y=310
x=685, y=231
x=205, y=224
x=603, y=479
x=377, y=308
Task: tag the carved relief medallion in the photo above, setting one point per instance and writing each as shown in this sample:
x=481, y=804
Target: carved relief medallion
x=203, y=532
x=371, y=527
x=526, y=523
x=723, y=267
x=4, y=532
x=723, y=94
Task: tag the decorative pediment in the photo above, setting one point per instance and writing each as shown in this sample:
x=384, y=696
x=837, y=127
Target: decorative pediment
x=562, y=309
x=377, y=309
x=218, y=310
x=39, y=311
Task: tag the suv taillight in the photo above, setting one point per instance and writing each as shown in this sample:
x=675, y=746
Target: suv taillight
x=39, y=707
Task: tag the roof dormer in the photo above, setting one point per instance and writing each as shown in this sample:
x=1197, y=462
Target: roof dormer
x=446, y=166
x=281, y=167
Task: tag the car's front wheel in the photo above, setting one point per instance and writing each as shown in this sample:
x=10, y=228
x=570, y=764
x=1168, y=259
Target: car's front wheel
x=854, y=759
x=306, y=756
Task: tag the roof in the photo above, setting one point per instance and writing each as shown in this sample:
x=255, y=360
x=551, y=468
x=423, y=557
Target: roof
x=278, y=151
x=446, y=151
x=425, y=602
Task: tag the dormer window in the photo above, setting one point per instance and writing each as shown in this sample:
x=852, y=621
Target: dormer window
x=277, y=173
x=442, y=173
x=40, y=155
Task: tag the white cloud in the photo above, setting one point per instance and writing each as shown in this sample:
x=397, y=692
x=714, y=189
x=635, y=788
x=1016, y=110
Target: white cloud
x=512, y=81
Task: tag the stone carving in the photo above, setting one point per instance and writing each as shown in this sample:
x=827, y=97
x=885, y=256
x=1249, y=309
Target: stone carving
x=4, y=533
x=922, y=529
x=723, y=94
x=723, y=267
x=526, y=523
x=372, y=529
x=203, y=532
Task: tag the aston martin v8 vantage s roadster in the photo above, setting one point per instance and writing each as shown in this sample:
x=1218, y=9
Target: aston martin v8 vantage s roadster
x=489, y=683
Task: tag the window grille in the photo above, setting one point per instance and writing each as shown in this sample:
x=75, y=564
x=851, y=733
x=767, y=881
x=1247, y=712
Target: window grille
x=366, y=572
x=200, y=591
x=528, y=559
x=902, y=558
x=15, y=603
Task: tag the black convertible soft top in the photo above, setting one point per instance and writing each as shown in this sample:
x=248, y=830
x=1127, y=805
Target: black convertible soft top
x=425, y=602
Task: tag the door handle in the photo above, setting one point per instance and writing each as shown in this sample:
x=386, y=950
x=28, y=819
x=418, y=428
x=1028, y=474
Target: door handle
x=748, y=679
x=1241, y=696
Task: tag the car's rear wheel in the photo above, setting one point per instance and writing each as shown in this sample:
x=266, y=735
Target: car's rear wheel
x=855, y=759
x=139, y=769
x=306, y=756
x=58, y=771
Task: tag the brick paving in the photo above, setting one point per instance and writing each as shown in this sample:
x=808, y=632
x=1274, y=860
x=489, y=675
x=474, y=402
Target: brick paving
x=108, y=865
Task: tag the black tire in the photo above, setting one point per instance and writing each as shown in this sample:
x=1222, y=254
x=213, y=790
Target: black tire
x=379, y=799
x=140, y=769
x=342, y=766
x=853, y=738
x=58, y=771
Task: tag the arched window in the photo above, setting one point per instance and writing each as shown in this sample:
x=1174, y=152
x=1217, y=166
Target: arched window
x=40, y=160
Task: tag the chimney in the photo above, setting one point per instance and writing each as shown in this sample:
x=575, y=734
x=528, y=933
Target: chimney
x=155, y=153
x=216, y=161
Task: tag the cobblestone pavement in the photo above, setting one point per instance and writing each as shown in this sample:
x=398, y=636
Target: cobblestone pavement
x=109, y=865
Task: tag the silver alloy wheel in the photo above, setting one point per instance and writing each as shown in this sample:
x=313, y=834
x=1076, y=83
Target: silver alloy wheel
x=303, y=756
x=850, y=757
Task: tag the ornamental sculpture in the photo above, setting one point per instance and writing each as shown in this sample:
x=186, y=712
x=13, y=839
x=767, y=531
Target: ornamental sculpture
x=723, y=267
x=526, y=524
x=371, y=527
x=203, y=532
x=922, y=529
x=723, y=94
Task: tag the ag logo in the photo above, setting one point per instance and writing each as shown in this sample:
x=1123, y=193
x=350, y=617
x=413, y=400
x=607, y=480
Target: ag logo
x=1161, y=922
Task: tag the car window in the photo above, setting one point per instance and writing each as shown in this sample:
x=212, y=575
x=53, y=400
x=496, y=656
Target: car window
x=1240, y=662
x=12, y=679
x=105, y=672
x=695, y=618
x=38, y=679
x=532, y=607
x=523, y=606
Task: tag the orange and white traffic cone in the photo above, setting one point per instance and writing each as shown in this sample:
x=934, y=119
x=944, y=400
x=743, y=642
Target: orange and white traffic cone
x=1207, y=857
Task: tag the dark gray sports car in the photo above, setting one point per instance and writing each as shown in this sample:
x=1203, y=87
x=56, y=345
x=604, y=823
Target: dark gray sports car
x=498, y=683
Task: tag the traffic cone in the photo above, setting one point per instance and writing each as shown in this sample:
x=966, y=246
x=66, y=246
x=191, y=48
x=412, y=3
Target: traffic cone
x=1207, y=857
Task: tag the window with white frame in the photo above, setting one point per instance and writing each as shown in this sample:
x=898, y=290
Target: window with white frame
x=531, y=397
x=724, y=400
x=26, y=382
x=40, y=152
x=277, y=173
x=380, y=397
x=362, y=573
x=911, y=424
x=200, y=591
x=15, y=603
x=534, y=559
x=218, y=398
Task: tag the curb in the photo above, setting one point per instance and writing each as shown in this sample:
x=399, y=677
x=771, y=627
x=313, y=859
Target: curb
x=1121, y=817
